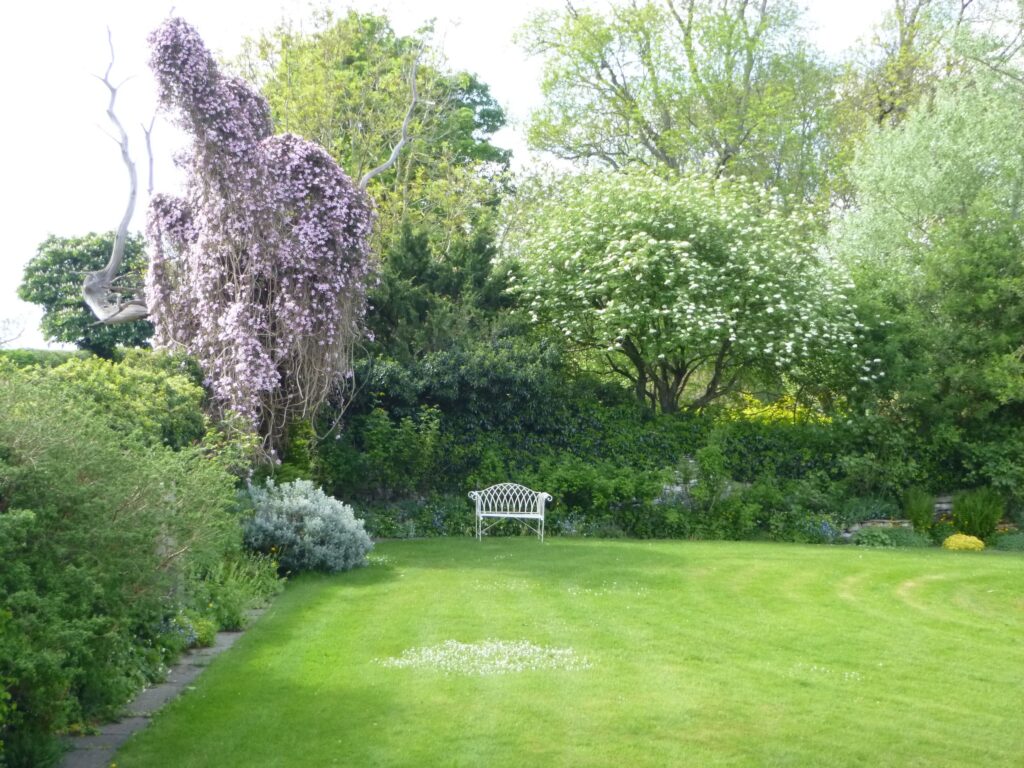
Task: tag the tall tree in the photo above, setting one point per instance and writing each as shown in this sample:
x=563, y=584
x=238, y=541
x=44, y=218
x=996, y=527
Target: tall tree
x=934, y=245
x=729, y=87
x=259, y=271
x=920, y=43
x=344, y=84
x=53, y=279
x=690, y=287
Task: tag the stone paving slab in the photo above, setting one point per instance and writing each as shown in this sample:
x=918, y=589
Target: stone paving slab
x=97, y=750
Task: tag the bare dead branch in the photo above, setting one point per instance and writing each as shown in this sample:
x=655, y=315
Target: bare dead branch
x=7, y=328
x=97, y=288
x=148, y=132
x=365, y=181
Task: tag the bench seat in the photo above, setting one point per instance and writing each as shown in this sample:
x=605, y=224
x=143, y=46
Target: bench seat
x=510, y=501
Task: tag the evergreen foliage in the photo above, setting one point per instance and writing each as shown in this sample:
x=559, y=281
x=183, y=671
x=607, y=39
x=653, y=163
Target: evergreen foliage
x=99, y=524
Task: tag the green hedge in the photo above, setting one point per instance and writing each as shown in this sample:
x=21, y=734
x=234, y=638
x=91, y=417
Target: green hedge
x=105, y=534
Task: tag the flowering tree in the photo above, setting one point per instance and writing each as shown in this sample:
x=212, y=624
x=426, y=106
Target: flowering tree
x=259, y=270
x=687, y=286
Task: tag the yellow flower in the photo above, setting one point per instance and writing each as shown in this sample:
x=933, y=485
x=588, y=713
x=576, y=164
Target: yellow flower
x=962, y=543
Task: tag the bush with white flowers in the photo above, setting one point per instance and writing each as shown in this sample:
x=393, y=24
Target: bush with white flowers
x=305, y=529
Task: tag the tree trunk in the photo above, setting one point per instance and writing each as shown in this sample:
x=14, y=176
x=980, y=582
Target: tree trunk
x=668, y=396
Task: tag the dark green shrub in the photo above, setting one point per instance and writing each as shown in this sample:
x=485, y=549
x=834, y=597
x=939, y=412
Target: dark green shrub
x=768, y=495
x=890, y=537
x=1016, y=513
x=503, y=406
x=807, y=513
x=873, y=537
x=908, y=537
x=599, y=494
x=96, y=533
x=758, y=448
x=994, y=455
x=978, y=512
x=879, y=459
x=398, y=458
x=804, y=526
x=858, y=509
x=941, y=530
x=710, y=505
x=1010, y=542
x=439, y=515
x=919, y=508
x=5, y=709
x=381, y=457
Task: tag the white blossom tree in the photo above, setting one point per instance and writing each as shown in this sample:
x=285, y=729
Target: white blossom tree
x=689, y=287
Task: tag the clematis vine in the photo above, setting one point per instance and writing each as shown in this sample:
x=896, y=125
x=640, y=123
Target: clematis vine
x=259, y=270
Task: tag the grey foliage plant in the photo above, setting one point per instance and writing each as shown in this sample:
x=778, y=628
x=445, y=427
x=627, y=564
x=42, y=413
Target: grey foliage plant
x=305, y=529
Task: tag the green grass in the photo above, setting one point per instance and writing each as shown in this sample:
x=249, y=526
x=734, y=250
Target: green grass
x=703, y=654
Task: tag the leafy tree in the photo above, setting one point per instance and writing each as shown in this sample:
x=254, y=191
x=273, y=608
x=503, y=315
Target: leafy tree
x=345, y=86
x=919, y=43
x=260, y=270
x=690, y=287
x=729, y=87
x=903, y=60
x=935, y=248
x=424, y=304
x=53, y=279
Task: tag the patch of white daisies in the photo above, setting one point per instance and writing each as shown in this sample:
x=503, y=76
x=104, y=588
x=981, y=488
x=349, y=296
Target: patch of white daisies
x=487, y=657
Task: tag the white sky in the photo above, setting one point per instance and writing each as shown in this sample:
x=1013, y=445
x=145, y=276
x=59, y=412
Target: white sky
x=62, y=175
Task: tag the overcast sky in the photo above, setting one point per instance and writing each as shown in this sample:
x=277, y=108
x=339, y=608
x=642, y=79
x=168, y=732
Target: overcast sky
x=62, y=174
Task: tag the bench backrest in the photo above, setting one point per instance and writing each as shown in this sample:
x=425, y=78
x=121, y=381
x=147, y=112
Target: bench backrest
x=509, y=497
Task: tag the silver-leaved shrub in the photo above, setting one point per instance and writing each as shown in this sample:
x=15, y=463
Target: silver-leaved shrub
x=305, y=529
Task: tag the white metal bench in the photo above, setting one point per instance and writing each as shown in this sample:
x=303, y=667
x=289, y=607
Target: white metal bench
x=509, y=501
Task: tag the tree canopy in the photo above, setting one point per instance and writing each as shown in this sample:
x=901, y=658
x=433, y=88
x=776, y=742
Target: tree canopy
x=934, y=247
x=730, y=88
x=690, y=286
x=345, y=85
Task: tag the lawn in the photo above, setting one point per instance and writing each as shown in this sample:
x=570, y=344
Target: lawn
x=649, y=654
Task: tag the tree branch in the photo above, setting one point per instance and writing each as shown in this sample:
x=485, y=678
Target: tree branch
x=649, y=135
x=713, y=389
x=98, y=287
x=148, y=131
x=368, y=176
